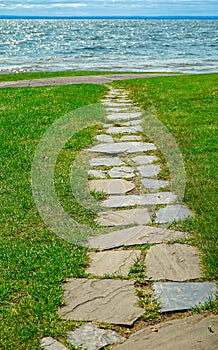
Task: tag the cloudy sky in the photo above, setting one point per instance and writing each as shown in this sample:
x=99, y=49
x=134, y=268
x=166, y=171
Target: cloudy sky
x=109, y=7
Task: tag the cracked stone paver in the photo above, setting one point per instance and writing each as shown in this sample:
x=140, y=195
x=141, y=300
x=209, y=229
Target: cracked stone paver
x=122, y=147
x=144, y=199
x=138, y=216
x=101, y=300
x=124, y=130
x=121, y=116
x=113, y=186
x=105, y=138
x=149, y=170
x=172, y=262
x=134, y=235
x=172, y=213
x=190, y=333
x=98, y=174
x=143, y=160
x=112, y=262
x=174, y=296
x=49, y=343
x=126, y=172
x=90, y=337
x=110, y=161
x=154, y=184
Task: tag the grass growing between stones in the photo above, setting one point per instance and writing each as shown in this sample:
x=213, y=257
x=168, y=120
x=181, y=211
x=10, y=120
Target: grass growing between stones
x=34, y=262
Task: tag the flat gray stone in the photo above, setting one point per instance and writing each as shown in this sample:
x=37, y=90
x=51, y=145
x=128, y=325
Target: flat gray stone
x=172, y=262
x=144, y=199
x=117, y=104
x=143, y=160
x=112, y=262
x=98, y=174
x=172, y=213
x=123, y=147
x=114, y=161
x=183, y=296
x=107, y=125
x=131, y=138
x=154, y=183
x=113, y=186
x=123, y=217
x=105, y=138
x=90, y=337
x=132, y=122
x=134, y=235
x=121, y=116
x=122, y=108
x=125, y=172
x=101, y=300
x=124, y=129
x=191, y=333
x=149, y=170
x=49, y=343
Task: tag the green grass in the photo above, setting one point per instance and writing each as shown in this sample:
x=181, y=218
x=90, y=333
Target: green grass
x=187, y=105
x=34, y=262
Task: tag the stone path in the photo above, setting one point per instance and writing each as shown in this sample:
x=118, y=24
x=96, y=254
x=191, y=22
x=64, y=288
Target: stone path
x=138, y=207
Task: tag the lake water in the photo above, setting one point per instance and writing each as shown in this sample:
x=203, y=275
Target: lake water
x=121, y=45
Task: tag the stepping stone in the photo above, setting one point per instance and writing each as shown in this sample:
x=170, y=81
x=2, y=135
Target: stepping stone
x=131, y=138
x=172, y=213
x=123, y=217
x=132, y=122
x=114, y=186
x=123, y=172
x=101, y=300
x=104, y=138
x=90, y=337
x=117, y=104
x=154, y=183
x=107, y=125
x=190, y=333
x=124, y=130
x=115, y=161
x=98, y=174
x=183, y=296
x=148, y=170
x=121, y=116
x=144, y=199
x=122, y=108
x=123, y=147
x=143, y=160
x=134, y=235
x=49, y=343
x=172, y=262
x=112, y=262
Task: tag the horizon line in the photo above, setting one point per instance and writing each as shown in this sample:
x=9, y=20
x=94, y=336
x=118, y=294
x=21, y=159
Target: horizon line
x=107, y=17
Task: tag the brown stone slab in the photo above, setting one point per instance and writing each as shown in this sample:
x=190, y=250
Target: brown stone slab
x=101, y=300
x=113, y=186
x=191, y=333
x=172, y=262
x=132, y=236
x=139, y=216
x=112, y=262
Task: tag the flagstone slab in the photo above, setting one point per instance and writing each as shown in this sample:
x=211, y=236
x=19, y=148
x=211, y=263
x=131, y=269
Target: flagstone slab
x=122, y=147
x=144, y=199
x=124, y=115
x=126, y=172
x=49, y=343
x=143, y=160
x=134, y=235
x=172, y=213
x=183, y=296
x=132, y=122
x=112, y=262
x=98, y=174
x=113, y=186
x=105, y=138
x=124, y=217
x=149, y=170
x=124, y=129
x=172, y=262
x=90, y=337
x=113, y=161
x=101, y=300
x=154, y=184
x=107, y=125
x=131, y=138
x=116, y=104
x=190, y=333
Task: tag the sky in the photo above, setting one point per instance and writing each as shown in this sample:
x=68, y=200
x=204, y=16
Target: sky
x=109, y=7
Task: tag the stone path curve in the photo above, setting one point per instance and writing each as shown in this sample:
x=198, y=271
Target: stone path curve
x=137, y=209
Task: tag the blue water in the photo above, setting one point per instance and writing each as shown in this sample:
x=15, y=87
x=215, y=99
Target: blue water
x=121, y=45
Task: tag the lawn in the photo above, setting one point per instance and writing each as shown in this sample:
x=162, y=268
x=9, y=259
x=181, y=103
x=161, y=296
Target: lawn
x=34, y=262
